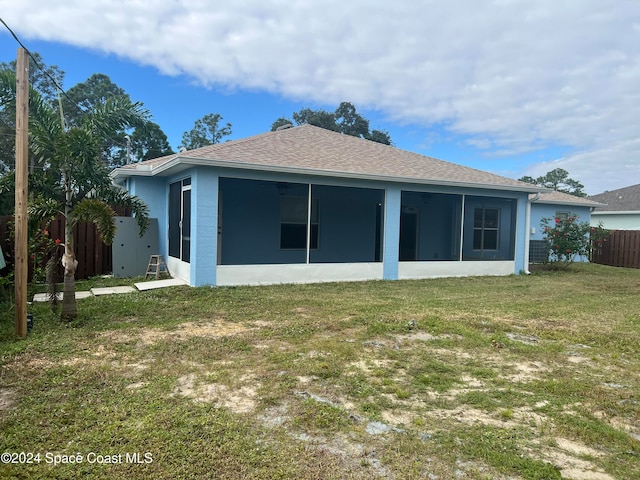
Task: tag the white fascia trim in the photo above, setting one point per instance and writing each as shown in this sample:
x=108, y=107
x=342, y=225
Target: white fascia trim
x=310, y=171
x=614, y=212
x=572, y=204
x=122, y=173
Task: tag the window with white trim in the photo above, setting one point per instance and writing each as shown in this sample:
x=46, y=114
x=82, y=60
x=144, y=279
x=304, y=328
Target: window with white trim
x=486, y=228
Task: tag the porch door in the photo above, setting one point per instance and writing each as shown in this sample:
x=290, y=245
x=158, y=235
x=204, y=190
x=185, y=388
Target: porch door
x=219, y=254
x=180, y=220
x=408, y=234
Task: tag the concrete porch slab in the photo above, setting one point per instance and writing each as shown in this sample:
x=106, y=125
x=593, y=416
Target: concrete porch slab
x=44, y=297
x=112, y=290
x=153, y=284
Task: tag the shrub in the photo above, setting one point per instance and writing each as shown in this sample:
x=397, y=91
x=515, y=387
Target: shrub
x=567, y=239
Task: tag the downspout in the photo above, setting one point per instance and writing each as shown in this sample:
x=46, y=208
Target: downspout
x=527, y=222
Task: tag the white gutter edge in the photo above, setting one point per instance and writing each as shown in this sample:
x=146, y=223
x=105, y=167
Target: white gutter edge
x=615, y=212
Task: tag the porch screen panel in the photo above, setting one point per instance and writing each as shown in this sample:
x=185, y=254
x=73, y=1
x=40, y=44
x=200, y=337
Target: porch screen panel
x=350, y=224
x=490, y=227
x=175, y=215
x=251, y=222
x=293, y=223
x=430, y=226
x=186, y=225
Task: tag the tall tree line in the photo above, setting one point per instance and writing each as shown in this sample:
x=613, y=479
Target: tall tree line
x=345, y=119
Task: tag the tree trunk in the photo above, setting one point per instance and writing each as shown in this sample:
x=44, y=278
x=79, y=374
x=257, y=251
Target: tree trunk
x=69, y=262
x=69, y=307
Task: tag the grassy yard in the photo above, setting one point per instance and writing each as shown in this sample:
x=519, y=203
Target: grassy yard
x=522, y=377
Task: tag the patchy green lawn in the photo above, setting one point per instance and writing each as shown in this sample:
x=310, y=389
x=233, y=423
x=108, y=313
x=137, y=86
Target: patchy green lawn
x=522, y=377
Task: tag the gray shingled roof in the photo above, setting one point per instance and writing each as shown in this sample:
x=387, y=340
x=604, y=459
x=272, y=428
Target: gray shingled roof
x=622, y=200
x=314, y=150
x=560, y=198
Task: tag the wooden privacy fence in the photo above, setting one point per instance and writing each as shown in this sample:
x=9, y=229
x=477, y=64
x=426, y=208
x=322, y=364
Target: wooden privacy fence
x=620, y=249
x=94, y=257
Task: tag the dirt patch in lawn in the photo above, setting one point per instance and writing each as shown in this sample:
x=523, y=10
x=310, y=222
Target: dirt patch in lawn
x=567, y=457
x=528, y=372
x=240, y=398
x=7, y=399
x=150, y=336
x=423, y=337
x=367, y=366
x=353, y=456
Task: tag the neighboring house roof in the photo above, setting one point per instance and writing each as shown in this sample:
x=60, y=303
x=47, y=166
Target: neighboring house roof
x=308, y=149
x=559, y=198
x=622, y=200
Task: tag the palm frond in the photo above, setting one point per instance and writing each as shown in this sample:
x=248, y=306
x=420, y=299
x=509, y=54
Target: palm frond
x=8, y=183
x=44, y=129
x=51, y=270
x=44, y=124
x=7, y=86
x=99, y=213
x=117, y=196
x=116, y=113
x=42, y=208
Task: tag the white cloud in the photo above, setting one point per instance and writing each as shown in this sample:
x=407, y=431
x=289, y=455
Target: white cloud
x=511, y=76
x=599, y=169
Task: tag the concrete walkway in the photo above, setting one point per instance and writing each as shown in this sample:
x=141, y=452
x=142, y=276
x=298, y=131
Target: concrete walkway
x=140, y=286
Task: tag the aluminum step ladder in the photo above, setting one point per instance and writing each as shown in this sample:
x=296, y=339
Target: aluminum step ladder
x=157, y=266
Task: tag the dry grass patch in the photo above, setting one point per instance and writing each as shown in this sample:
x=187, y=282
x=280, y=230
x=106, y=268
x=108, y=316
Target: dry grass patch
x=240, y=398
x=149, y=336
x=7, y=397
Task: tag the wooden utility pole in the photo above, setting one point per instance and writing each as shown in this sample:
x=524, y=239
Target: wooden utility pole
x=22, y=165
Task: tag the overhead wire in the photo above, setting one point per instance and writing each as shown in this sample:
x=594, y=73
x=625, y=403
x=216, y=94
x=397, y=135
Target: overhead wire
x=42, y=69
x=53, y=80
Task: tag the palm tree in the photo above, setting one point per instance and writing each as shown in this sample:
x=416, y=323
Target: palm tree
x=72, y=155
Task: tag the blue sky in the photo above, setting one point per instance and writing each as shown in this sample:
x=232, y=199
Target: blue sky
x=512, y=86
x=176, y=102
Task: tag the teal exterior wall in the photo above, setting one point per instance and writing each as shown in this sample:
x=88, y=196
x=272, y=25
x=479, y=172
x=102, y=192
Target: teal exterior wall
x=539, y=211
x=522, y=234
x=545, y=210
x=204, y=226
x=153, y=191
x=392, y=209
x=359, y=220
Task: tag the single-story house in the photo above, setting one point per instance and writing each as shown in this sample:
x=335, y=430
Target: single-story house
x=622, y=209
x=550, y=205
x=305, y=204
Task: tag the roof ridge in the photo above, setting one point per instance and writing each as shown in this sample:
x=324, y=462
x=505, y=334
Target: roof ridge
x=235, y=141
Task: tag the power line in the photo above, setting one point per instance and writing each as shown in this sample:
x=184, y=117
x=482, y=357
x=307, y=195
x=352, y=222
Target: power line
x=41, y=68
x=53, y=80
